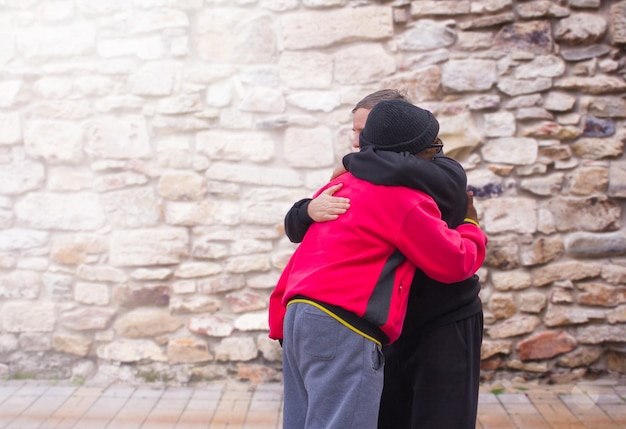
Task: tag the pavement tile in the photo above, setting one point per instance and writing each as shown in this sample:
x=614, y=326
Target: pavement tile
x=529, y=421
x=617, y=412
x=118, y=391
x=195, y=418
x=557, y=414
x=513, y=398
x=69, y=413
x=177, y=393
x=487, y=398
x=162, y=418
x=130, y=418
x=494, y=416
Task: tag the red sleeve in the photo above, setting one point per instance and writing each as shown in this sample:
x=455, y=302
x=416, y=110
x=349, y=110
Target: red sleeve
x=445, y=255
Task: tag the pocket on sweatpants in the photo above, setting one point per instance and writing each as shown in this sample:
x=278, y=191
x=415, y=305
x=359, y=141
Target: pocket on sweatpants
x=321, y=339
x=378, y=358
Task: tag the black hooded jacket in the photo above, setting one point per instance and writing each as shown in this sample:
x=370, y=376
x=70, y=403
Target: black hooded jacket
x=431, y=304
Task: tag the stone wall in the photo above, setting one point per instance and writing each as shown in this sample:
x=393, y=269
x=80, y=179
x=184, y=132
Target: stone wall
x=149, y=150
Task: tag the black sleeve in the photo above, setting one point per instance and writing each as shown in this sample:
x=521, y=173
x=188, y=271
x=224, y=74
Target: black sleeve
x=298, y=221
x=444, y=179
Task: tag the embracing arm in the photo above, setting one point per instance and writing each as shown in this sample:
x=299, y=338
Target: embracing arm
x=443, y=178
x=298, y=221
x=323, y=208
x=445, y=255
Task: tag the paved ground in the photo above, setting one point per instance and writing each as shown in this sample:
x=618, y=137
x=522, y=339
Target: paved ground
x=600, y=404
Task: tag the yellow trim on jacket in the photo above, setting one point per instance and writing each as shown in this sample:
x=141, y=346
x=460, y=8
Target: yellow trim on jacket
x=337, y=318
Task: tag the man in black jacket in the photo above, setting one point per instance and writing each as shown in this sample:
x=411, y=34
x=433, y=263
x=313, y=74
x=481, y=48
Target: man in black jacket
x=432, y=372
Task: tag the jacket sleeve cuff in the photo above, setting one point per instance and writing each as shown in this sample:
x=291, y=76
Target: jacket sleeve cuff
x=472, y=221
x=303, y=214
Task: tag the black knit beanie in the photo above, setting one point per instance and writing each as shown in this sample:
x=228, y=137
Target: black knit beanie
x=399, y=126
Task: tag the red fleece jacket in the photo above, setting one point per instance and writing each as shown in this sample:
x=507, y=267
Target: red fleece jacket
x=353, y=262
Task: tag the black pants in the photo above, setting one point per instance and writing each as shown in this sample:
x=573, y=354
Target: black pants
x=432, y=379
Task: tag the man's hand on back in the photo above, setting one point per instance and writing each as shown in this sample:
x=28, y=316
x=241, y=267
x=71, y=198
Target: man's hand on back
x=326, y=207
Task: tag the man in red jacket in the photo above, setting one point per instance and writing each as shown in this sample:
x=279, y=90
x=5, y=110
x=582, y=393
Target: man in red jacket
x=344, y=292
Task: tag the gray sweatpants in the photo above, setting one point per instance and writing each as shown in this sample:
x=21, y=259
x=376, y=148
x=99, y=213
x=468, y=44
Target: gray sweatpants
x=333, y=377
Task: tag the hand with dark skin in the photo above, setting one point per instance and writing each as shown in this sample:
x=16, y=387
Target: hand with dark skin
x=471, y=210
